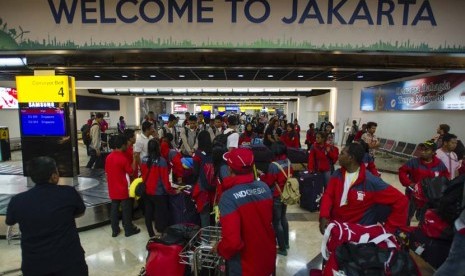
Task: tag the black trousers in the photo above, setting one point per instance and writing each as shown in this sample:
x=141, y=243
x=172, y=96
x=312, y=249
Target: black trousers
x=157, y=209
x=79, y=268
x=126, y=207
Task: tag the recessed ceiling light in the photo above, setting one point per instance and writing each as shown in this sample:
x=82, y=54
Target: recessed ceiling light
x=124, y=76
x=96, y=76
x=330, y=76
x=360, y=77
x=300, y=76
x=153, y=76
x=210, y=76
x=240, y=76
x=182, y=76
x=270, y=76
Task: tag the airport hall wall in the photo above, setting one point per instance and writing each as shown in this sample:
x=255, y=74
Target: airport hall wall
x=408, y=126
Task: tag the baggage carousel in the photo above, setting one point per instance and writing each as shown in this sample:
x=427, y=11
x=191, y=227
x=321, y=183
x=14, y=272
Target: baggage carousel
x=91, y=184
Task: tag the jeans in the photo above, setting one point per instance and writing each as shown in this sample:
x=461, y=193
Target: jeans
x=280, y=224
x=157, y=209
x=327, y=176
x=126, y=206
x=455, y=262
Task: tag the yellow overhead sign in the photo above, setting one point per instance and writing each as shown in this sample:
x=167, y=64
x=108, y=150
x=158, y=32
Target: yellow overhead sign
x=45, y=89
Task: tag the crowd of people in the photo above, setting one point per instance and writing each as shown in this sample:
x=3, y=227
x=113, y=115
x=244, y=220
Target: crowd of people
x=213, y=160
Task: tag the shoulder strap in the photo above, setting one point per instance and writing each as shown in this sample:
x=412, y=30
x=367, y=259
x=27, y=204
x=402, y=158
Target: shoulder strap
x=281, y=169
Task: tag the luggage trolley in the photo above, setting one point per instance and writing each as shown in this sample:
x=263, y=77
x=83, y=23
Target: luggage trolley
x=197, y=252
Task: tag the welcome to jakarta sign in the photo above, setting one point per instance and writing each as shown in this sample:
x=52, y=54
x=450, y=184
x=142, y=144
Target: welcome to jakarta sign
x=346, y=25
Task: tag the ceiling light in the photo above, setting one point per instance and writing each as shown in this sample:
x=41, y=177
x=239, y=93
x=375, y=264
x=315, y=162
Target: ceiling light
x=194, y=90
x=124, y=76
x=240, y=76
x=210, y=76
x=303, y=89
x=180, y=90
x=182, y=76
x=255, y=89
x=330, y=76
x=153, y=76
x=271, y=90
x=300, y=76
x=150, y=90
x=210, y=90
x=360, y=77
x=108, y=90
x=136, y=90
x=97, y=76
x=13, y=62
x=125, y=91
x=224, y=90
x=270, y=76
x=240, y=90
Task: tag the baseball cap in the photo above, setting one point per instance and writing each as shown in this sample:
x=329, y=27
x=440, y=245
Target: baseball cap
x=239, y=159
x=429, y=144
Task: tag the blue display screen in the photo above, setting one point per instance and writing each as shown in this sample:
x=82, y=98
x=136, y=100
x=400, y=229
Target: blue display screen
x=43, y=122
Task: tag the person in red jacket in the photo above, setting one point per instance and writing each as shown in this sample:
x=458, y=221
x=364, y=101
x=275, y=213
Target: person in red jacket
x=248, y=241
x=311, y=136
x=359, y=134
x=419, y=168
x=276, y=178
x=290, y=138
x=201, y=192
x=117, y=166
x=154, y=170
x=322, y=156
x=131, y=137
x=247, y=136
x=354, y=196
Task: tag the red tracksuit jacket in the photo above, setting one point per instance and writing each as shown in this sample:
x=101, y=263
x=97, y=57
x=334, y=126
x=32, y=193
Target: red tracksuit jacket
x=322, y=157
x=248, y=241
x=416, y=169
x=291, y=140
x=157, y=181
x=275, y=176
x=366, y=191
x=116, y=167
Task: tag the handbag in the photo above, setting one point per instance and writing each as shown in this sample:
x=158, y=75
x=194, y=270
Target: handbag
x=141, y=188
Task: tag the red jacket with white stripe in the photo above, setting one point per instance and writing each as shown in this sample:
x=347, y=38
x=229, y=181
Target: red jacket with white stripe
x=248, y=241
x=366, y=192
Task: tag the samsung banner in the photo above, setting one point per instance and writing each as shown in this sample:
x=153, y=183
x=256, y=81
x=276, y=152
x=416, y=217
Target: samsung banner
x=444, y=92
x=346, y=25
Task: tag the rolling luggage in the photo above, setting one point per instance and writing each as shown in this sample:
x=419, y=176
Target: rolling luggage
x=311, y=190
x=296, y=155
x=183, y=209
x=433, y=251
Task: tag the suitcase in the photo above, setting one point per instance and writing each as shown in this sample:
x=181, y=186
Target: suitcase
x=311, y=189
x=183, y=209
x=433, y=251
x=296, y=155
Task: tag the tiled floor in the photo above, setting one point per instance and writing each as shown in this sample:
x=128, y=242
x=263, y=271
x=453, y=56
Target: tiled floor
x=125, y=256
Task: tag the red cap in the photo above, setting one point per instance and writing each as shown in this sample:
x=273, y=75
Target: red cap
x=239, y=159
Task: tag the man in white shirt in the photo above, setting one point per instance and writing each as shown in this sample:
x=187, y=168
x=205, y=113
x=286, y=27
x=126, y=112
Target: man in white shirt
x=141, y=145
x=447, y=155
x=370, y=138
x=233, y=138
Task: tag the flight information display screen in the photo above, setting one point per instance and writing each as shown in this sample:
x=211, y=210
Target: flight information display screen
x=43, y=122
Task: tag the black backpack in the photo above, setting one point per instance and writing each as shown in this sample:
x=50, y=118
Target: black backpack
x=221, y=141
x=85, y=131
x=452, y=202
x=367, y=259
